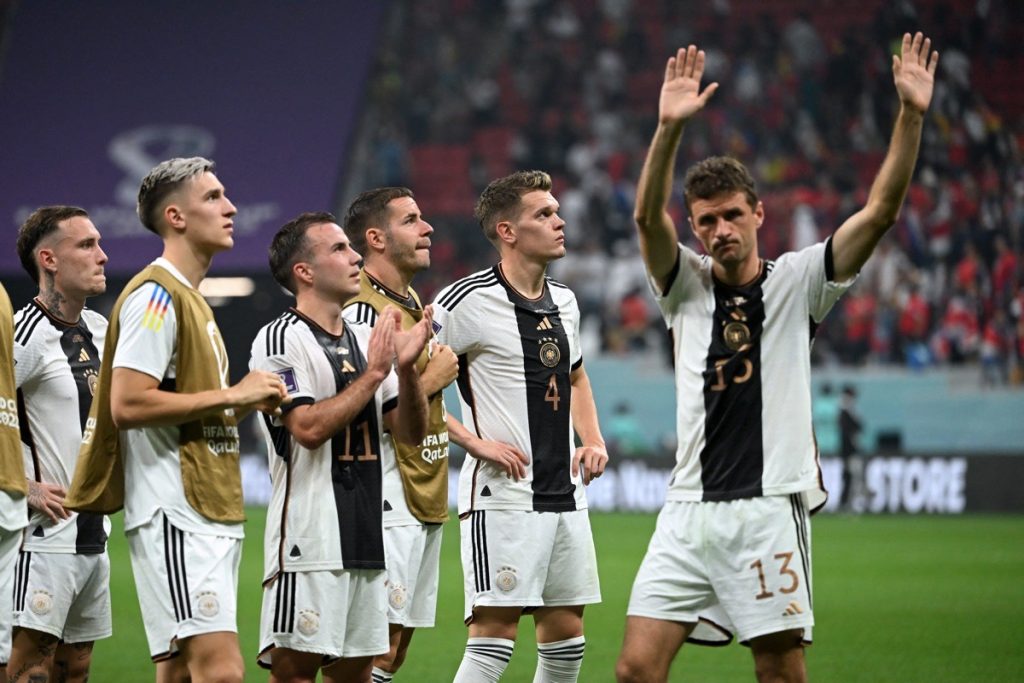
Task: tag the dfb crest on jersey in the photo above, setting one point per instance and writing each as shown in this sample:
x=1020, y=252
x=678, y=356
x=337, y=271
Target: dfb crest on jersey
x=550, y=354
x=736, y=335
x=41, y=602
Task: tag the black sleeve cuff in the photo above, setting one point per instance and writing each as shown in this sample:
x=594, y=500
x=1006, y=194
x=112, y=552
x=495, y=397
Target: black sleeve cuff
x=830, y=266
x=389, y=405
x=295, y=403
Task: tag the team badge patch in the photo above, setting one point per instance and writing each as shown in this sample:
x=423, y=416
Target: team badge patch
x=436, y=326
x=506, y=579
x=736, y=335
x=398, y=596
x=41, y=603
x=208, y=604
x=287, y=376
x=550, y=354
x=308, y=622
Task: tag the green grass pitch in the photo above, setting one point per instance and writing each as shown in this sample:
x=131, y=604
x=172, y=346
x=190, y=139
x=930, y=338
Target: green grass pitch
x=899, y=599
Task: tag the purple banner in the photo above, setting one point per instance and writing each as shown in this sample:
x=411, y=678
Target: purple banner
x=94, y=94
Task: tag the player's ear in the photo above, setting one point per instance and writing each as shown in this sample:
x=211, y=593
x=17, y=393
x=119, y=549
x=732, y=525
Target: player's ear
x=759, y=213
x=375, y=238
x=506, y=233
x=302, y=273
x=46, y=260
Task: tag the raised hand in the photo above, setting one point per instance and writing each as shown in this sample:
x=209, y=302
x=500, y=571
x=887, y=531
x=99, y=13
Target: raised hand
x=409, y=344
x=380, y=352
x=914, y=71
x=680, y=93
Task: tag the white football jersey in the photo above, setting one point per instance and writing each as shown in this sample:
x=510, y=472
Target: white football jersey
x=743, y=376
x=147, y=343
x=325, y=508
x=56, y=368
x=515, y=357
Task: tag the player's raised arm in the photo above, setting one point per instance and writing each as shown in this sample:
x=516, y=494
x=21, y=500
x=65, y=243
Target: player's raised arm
x=914, y=75
x=680, y=99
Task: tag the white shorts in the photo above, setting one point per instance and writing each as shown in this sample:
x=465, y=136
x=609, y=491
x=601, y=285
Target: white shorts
x=10, y=541
x=740, y=567
x=514, y=558
x=63, y=594
x=413, y=558
x=187, y=583
x=337, y=614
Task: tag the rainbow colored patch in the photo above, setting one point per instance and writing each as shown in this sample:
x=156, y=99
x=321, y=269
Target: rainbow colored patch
x=156, y=309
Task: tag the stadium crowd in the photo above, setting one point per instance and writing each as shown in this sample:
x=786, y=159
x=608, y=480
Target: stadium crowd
x=802, y=97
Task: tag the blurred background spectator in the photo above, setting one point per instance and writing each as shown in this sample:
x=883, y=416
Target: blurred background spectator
x=467, y=91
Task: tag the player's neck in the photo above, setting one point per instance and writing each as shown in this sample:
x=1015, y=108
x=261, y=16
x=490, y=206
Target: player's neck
x=60, y=304
x=325, y=313
x=385, y=272
x=526, y=277
x=190, y=262
x=740, y=274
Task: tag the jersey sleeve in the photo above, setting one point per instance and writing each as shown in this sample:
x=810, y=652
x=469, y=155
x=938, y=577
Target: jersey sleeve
x=27, y=357
x=680, y=279
x=148, y=331
x=814, y=265
x=285, y=354
x=360, y=312
x=576, y=359
x=389, y=392
x=450, y=326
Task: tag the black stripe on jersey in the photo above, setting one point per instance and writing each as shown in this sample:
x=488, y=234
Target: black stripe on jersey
x=732, y=460
x=802, y=539
x=26, y=433
x=481, y=564
x=84, y=363
x=280, y=436
x=546, y=368
x=461, y=288
x=21, y=579
x=24, y=328
x=830, y=264
x=177, y=577
x=555, y=283
x=364, y=313
x=674, y=273
x=355, y=459
x=276, y=332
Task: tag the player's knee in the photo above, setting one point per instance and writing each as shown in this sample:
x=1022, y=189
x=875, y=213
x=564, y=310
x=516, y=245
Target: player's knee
x=631, y=670
x=227, y=670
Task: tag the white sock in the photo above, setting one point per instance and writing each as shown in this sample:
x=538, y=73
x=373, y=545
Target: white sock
x=485, y=660
x=559, y=662
x=381, y=676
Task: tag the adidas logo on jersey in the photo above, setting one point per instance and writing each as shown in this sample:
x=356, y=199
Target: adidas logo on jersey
x=793, y=609
x=347, y=367
x=545, y=324
x=83, y=357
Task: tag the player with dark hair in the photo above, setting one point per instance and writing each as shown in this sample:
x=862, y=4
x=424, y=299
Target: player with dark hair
x=324, y=602
x=62, y=600
x=162, y=435
x=395, y=241
x=731, y=551
x=526, y=540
